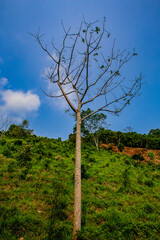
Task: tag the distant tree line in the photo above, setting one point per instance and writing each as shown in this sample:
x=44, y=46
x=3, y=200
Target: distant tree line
x=104, y=136
x=128, y=139
x=132, y=139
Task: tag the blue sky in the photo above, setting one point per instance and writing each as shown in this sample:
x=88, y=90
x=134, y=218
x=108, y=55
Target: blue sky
x=133, y=23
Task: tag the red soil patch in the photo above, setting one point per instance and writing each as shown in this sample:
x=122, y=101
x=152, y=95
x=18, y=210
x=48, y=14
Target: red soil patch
x=131, y=151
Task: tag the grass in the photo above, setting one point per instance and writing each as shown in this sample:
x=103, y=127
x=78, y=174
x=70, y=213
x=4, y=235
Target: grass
x=120, y=197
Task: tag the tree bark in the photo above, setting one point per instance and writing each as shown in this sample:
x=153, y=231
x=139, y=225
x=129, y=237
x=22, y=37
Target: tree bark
x=96, y=143
x=77, y=189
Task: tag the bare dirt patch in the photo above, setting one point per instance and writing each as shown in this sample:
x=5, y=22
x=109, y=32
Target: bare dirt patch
x=131, y=151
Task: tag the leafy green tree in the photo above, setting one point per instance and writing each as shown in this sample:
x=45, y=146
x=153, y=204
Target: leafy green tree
x=151, y=155
x=93, y=125
x=21, y=130
x=119, y=137
x=83, y=75
x=154, y=132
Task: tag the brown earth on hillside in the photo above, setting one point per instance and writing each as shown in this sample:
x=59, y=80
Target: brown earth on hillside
x=131, y=151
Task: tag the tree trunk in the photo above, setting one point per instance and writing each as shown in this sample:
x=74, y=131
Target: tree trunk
x=77, y=189
x=96, y=142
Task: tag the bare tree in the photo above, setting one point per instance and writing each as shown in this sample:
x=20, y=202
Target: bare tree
x=104, y=86
x=5, y=122
x=128, y=129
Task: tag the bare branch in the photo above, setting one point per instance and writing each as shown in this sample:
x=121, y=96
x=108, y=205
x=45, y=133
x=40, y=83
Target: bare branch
x=56, y=96
x=77, y=76
x=73, y=48
x=127, y=101
x=38, y=37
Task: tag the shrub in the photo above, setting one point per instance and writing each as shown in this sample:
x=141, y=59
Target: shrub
x=109, y=149
x=12, y=166
x=148, y=208
x=18, y=142
x=149, y=183
x=151, y=155
x=23, y=173
x=6, y=152
x=92, y=159
x=138, y=157
x=25, y=156
x=84, y=173
x=46, y=163
x=128, y=161
x=152, y=164
x=120, y=147
x=158, y=166
x=9, y=149
x=126, y=180
x=3, y=142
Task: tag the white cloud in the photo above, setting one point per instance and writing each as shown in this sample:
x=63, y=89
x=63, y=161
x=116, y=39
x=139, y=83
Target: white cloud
x=3, y=81
x=18, y=102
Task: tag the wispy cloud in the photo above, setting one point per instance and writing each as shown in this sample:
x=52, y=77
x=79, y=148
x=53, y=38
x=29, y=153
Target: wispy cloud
x=3, y=81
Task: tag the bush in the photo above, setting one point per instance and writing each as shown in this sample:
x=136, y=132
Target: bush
x=23, y=173
x=138, y=157
x=24, y=156
x=128, y=161
x=151, y=155
x=149, y=183
x=84, y=173
x=12, y=166
x=3, y=142
x=92, y=160
x=13, y=224
x=18, y=142
x=126, y=180
x=120, y=147
x=109, y=149
x=152, y=164
x=47, y=163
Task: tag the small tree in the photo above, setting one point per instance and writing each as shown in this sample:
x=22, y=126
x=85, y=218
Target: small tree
x=128, y=129
x=21, y=130
x=154, y=132
x=5, y=122
x=104, y=86
x=93, y=125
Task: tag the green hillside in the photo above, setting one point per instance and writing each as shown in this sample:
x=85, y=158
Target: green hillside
x=120, y=196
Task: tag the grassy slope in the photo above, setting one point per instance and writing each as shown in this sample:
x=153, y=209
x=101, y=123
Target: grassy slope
x=120, y=198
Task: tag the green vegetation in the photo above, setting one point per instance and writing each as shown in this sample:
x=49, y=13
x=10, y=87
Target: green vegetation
x=138, y=157
x=92, y=126
x=129, y=139
x=151, y=155
x=120, y=194
x=132, y=139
